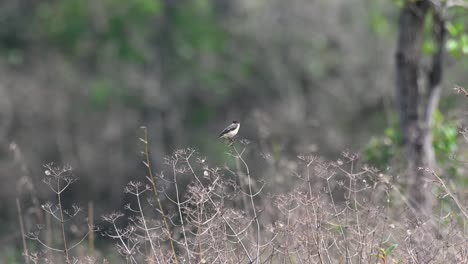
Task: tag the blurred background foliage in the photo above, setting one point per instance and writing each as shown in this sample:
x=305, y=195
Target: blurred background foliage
x=79, y=77
x=382, y=151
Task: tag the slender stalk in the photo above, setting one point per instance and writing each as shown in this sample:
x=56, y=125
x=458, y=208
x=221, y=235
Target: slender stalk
x=200, y=218
x=332, y=200
x=286, y=253
x=180, y=212
x=49, y=234
x=143, y=220
x=91, y=228
x=23, y=236
x=449, y=193
x=62, y=222
x=153, y=182
x=251, y=196
x=127, y=249
x=242, y=184
x=309, y=228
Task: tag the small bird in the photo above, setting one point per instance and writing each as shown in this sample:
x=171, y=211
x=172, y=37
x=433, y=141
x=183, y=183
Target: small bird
x=230, y=131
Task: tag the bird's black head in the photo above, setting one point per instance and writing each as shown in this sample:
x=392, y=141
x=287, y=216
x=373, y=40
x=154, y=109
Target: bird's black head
x=235, y=122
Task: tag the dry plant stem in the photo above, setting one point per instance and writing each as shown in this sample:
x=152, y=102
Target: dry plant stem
x=91, y=229
x=23, y=235
x=153, y=182
x=127, y=249
x=180, y=211
x=242, y=184
x=286, y=254
x=222, y=216
x=308, y=178
x=353, y=186
x=461, y=90
x=338, y=218
x=143, y=220
x=62, y=221
x=309, y=228
x=317, y=244
x=251, y=196
x=200, y=253
x=20, y=159
x=442, y=183
x=49, y=234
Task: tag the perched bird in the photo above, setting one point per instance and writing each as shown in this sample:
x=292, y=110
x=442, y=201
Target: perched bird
x=230, y=131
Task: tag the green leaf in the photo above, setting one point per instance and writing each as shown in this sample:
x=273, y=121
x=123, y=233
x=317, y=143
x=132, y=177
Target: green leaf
x=438, y=117
x=465, y=49
x=452, y=44
x=379, y=24
x=100, y=93
x=464, y=43
x=429, y=47
x=399, y=3
x=390, y=249
x=146, y=7
x=455, y=28
x=464, y=39
x=453, y=47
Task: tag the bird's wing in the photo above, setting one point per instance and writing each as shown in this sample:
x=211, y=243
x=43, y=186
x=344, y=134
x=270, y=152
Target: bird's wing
x=228, y=129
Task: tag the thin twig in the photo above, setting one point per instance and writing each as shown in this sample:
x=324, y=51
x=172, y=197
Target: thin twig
x=23, y=236
x=156, y=195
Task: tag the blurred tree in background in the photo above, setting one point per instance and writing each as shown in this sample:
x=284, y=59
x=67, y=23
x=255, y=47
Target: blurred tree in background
x=79, y=77
x=418, y=104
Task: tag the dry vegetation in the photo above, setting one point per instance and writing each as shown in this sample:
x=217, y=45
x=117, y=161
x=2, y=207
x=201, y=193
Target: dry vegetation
x=191, y=212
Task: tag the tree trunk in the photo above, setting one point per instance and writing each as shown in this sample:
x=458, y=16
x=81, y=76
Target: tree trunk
x=417, y=106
